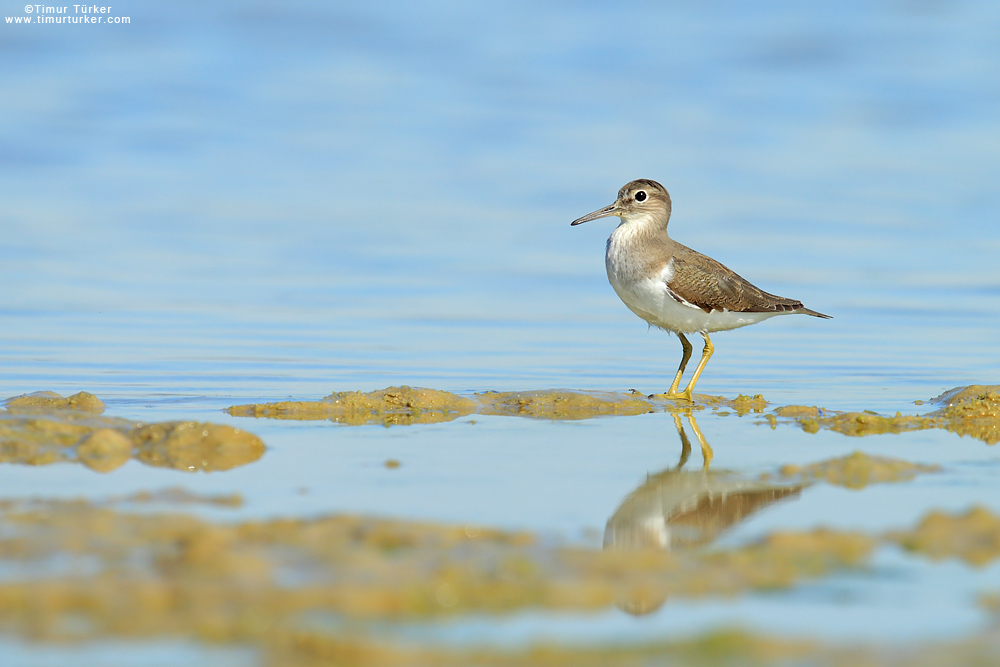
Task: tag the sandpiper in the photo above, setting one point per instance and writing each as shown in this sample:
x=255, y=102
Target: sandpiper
x=673, y=287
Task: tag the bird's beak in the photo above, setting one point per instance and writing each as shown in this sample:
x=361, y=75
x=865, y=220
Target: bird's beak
x=599, y=213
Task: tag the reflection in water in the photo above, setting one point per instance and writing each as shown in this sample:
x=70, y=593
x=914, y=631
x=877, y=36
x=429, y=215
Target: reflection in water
x=677, y=509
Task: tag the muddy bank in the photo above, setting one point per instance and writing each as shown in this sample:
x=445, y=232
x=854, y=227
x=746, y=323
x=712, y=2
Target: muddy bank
x=416, y=405
x=389, y=406
x=812, y=419
x=45, y=428
x=94, y=572
x=856, y=471
x=731, y=647
x=973, y=537
x=972, y=411
x=561, y=404
x=968, y=411
x=42, y=401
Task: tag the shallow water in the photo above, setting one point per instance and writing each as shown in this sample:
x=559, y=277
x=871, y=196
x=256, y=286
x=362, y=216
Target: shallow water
x=229, y=204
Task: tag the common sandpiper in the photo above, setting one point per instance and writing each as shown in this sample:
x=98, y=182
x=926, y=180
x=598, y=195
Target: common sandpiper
x=674, y=287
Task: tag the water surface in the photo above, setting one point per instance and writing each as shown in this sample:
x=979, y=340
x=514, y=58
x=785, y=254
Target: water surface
x=230, y=203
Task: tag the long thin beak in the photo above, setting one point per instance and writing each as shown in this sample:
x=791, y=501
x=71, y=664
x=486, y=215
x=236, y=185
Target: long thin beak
x=599, y=213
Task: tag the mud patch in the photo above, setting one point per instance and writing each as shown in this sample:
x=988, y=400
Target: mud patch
x=393, y=405
x=183, y=575
x=857, y=471
x=51, y=429
x=727, y=647
x=193, y=446
x=741, y=405
x=181, y=496
x=561, y=404
x=408, y=405
x=972, y=411
x=812, y=419
x=973, y=537
x=49, y=400
x=94, y=573
x=104, y=449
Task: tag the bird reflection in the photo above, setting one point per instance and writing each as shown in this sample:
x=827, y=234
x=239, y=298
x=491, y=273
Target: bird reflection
x=677, y=509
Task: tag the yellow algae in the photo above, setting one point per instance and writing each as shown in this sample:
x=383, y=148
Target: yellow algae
x=32, y=435
x=868, y=423
x=722, y=647
x=393, y=405
x=782, y=559
x=406, y=405
x=258, y=583
x=972, y=410
x=796, y=411
x=49, y=400
x=104, y=450
x=181, y=574
x=177, y=495
x=642, y=578
x=561, y=404
x=41, y=439
x=973, y=537
x=812, y=419
x=195, y=446
x=725, y=647
x=746, y=404
x=857, y=471
x=741, y=405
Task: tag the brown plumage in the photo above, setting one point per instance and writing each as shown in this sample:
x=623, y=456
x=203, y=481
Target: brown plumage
x=708, y=284
x=673, y=287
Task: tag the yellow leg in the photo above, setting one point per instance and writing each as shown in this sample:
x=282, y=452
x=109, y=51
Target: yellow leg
x=686, y=345
x=685, y=356
x=685, y=443
x=706, y=354
x=706, y=451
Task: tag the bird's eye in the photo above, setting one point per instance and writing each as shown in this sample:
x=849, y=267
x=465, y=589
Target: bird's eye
x=640, y=196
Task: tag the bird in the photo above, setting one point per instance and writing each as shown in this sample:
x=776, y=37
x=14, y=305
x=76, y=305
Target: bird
x=673, y=287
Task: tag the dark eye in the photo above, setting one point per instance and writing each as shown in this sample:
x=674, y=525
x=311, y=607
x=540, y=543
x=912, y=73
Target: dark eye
x=640, y=196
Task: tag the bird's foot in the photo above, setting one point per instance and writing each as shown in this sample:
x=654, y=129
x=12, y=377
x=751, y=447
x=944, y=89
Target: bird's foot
x=675, y=396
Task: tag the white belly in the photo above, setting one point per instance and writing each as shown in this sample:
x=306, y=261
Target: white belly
x=646, y=294
x=650, y=300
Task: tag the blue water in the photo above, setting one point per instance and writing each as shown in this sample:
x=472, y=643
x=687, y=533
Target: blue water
x=235, y=202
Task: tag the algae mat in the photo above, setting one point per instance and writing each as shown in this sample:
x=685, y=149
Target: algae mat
x=46, y=428
x=973, y=410
x=121, y=576
x=335, y=588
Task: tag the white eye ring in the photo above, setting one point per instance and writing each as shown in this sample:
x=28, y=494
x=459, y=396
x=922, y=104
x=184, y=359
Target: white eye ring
x=640, y=195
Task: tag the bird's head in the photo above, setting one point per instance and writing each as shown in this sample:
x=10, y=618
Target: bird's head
x=641, y=199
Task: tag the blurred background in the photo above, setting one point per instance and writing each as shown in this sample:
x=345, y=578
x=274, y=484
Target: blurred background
x=272, y=200
x=241, y=202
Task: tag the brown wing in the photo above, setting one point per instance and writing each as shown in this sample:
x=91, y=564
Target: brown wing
x=706, y=283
